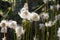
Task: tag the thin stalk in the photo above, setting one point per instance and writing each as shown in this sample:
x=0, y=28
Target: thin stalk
x=14, y=35
x=51, y=28
x=27, y=27
x=39, y=7
x=7, y=13
x=35, y=30
x=43, y=34
x=24, y=27
x=30, y=31
x=23, y=37
x=47, y=20
x=43, y=31
x=27, y=1
x=26, y=30
x=47, y=34
x=55, y=25
x=4, y=33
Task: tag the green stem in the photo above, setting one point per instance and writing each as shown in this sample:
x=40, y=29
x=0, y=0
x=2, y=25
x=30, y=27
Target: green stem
x=35, y=29
x=23, y=34
x=14, y=35
x=42, y=35
x=55, y=25
x=26, y=35
x=46, y=33
x=39, y=7
x=31, y=37
x=27, y=1
x=6, y=14
x=23, y=37
x=4, y=34
x=27, y=29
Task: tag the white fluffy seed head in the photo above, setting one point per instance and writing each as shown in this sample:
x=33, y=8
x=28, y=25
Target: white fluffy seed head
x=44, y=16
x=4, y=38
x=57, y=6
x=36, y=37
x=58, y=32
x=19, y=31
x=54, y=22
x=45, y=1
x=4, y=30
x=35, y=16
x=24, y=13
x=57, y=17
x=41, y=26
x=3, y=23
x=26, y=6
x=51, y=7
x=48, y=24
x=12, y=24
